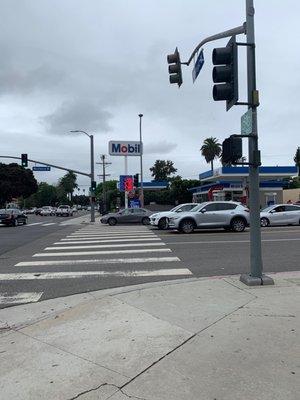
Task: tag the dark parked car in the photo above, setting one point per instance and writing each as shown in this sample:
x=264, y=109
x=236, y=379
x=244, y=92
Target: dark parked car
x=12, y=217
x=128, y=215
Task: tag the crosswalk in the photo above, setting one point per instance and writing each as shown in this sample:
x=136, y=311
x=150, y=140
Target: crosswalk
x=46, y=224
x=93, y=257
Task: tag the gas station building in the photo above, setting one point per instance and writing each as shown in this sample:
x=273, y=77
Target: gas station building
x=232, y=183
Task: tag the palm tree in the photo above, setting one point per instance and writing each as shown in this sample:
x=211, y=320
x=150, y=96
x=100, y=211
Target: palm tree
x=210, y=150
x=297, y=160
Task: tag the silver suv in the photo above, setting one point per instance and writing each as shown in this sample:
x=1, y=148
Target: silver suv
x=229, y=215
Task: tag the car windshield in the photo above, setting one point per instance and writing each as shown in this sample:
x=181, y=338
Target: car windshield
x=197, y=208
x=266, y=209
x=176, y=208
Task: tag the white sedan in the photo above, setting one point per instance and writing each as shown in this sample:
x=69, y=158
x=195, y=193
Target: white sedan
x=280, y=214
x=161, y=219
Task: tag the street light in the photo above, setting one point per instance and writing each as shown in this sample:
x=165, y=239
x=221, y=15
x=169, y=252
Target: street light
x=92, y=174
x=141, y=162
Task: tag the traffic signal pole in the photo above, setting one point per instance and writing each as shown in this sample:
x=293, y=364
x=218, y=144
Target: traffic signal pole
x=256, y=276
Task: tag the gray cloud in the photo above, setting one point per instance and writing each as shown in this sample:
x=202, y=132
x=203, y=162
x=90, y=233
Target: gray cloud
x=78, y=114
x=68, y=66
x=162, y=147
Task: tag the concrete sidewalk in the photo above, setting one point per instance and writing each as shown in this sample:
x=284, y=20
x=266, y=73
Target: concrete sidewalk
x=210, y=339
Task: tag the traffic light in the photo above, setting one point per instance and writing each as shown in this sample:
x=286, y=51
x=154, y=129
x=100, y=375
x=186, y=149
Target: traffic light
x=175, y=68
x=226, y=73
x=94, y=185
x=232, y=150
x=136, y=180
x=24, y=160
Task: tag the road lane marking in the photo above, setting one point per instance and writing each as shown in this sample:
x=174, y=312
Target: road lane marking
x=87, y=253
x=50, y=223
x=35, y=223
x=85, y=274
x=233, y=241
x=111, y=236
x=137, y=260
x=109, y=240
x=22, y=297
x=101, y=246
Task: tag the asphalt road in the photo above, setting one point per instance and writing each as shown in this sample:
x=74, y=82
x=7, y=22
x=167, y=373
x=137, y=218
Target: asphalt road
x=51, y=259
x=13, y=237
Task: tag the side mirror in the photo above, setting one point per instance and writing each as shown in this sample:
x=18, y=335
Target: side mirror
x=272, y=211
x=203, y=210
x=180, y=210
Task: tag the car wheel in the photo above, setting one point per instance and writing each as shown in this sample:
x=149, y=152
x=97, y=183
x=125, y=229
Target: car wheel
x=187, y=226
x=264, y=222
x=112, y=221
x=145, y=221
x=238, y=225
x=163, y=223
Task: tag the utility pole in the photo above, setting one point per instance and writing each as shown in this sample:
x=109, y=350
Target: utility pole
x=141, y=162
x=104, y=175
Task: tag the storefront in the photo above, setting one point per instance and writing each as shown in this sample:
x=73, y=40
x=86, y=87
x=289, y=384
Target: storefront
x=231, y=183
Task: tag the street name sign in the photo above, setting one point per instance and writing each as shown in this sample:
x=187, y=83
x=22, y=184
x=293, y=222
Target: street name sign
x=39, y=168
x=125, y=148
x=198, y=65
x=246, y=123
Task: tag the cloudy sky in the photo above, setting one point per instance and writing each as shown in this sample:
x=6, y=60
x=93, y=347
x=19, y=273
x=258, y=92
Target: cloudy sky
x=96, y=64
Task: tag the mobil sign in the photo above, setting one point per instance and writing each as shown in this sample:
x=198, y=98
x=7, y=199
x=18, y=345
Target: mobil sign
x=125, y=148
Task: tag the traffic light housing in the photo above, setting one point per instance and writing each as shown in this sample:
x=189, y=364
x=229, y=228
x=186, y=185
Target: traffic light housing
x=175, y=68
x=24, y=160
x=225, y=74
x=232, y=150
x=94, y=186
x=136, y=180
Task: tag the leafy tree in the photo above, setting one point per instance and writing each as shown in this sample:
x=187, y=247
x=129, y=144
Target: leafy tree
x=46, y=195
x=81, y=200
x=179, y=189
x=297, y=159
x=16, y=181
x=112, y=194
x=68, y=183
x=162, y=170
x=210, y=150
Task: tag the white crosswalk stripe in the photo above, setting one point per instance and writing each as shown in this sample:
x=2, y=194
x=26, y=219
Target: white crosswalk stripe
x=81, y=274
x=20, y=298
x=103, y=246
x=93, y=252
x=98, y=261
x=110, y=240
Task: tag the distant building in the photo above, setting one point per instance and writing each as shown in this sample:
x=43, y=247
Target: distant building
x=232, y=183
